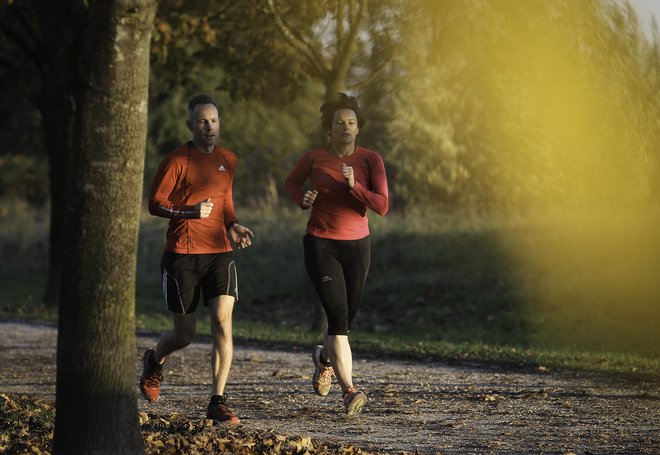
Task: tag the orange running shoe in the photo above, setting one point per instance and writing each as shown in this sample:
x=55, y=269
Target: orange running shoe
x=152, y=374
x=219, y=411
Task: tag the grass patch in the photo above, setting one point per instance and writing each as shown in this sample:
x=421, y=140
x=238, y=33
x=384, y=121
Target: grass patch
x=439, y=288
x=423, y=348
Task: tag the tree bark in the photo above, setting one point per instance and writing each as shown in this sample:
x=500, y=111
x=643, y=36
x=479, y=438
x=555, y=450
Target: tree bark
x=96, y=393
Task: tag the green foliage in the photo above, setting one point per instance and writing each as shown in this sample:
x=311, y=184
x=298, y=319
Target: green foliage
x=21, y=178
x=267, y=142
x=488, y=106
x=503, y=105
x=235, y=39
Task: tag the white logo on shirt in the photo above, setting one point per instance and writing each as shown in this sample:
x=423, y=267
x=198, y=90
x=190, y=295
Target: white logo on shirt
x=221, y=168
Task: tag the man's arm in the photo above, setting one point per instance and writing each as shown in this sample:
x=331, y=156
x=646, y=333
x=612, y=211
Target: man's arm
x=164, y=185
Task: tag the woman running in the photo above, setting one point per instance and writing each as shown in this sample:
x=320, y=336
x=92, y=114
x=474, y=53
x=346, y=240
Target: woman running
x=345, y=180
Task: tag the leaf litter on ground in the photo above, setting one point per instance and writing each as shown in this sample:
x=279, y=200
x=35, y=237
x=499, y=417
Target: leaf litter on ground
x=27, y=424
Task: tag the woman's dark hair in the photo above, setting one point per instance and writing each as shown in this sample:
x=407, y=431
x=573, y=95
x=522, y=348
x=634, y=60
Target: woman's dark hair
x=343, y=101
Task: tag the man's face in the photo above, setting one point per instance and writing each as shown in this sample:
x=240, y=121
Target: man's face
x=204, y=123
x=344, y=128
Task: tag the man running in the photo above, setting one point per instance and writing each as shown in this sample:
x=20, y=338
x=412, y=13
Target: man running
x=193, y=188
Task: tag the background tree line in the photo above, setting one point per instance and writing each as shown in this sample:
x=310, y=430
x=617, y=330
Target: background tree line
x=476, y=106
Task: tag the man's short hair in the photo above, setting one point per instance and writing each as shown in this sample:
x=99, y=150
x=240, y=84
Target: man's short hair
x=201, y=98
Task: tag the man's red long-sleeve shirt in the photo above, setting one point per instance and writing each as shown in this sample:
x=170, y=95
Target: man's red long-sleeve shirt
x=184, y=178
x=339, y=212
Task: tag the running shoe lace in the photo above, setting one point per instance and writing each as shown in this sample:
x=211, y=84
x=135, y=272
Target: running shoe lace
x=326, y=372
x=351, y=389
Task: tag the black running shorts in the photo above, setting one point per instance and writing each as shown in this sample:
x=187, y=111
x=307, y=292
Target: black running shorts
x=185, y=275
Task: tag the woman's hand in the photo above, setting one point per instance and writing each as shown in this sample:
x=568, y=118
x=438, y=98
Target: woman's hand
x=347, y=172
x=308, y=199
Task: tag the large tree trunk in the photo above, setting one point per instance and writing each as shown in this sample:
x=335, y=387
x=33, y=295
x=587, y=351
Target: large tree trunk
x=96, y=393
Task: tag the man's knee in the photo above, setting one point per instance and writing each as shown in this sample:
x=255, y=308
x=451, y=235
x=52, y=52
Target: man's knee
x=221, y=309
x=183, y=336
x=184, y=330
x=222, y=326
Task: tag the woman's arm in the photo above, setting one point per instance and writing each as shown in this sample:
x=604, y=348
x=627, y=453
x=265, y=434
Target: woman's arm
x=377, y=198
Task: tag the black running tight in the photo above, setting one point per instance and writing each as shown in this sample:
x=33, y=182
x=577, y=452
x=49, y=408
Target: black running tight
x=338, y=270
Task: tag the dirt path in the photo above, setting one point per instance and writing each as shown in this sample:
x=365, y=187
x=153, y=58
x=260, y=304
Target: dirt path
x=428, y=407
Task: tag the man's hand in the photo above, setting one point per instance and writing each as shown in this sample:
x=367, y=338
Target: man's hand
x=308, y=199
x=240, y=235
x=204, y=208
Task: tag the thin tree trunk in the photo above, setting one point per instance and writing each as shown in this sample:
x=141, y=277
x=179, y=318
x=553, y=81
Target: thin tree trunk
x=57, y=121
x=96, y=393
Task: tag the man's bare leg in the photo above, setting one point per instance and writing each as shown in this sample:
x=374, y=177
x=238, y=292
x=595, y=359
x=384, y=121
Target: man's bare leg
x=221, y=309
x=178, y=338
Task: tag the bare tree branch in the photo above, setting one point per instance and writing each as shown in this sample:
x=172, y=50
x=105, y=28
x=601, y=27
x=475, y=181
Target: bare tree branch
x=339, y=23
x=316, y=60
x=372, y=77
x=344, y=52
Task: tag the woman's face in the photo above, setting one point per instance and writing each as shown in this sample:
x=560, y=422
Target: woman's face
x=344, y=128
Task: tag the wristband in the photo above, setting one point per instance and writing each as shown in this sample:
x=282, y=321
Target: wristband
x=231, y=224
